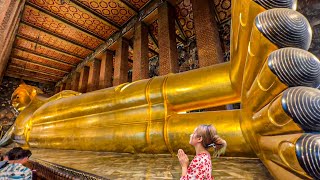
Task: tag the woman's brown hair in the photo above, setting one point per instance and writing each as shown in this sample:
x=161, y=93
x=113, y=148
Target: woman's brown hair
x=210, y=138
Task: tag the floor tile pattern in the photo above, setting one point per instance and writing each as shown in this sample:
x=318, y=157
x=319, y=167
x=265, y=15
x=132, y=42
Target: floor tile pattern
x=145, y=166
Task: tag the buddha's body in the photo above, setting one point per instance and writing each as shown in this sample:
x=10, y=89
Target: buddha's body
x=145, y=116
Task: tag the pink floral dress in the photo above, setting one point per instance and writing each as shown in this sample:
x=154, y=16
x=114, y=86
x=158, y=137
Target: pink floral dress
x=200, y=168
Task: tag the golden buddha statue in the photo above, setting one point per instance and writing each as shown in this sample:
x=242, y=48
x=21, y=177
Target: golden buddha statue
x=271, y=74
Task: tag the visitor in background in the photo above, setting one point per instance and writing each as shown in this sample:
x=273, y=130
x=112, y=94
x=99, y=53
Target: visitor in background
x=14, y=168
x=5, y=158
x=203, y=137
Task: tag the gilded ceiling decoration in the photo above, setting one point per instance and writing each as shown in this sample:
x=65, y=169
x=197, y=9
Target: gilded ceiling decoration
x=37, y=67
x=54, y=36
x=223, y=10
x=23, y=55
x=75, y=14
x=53, y=25
x=45, y=51
x=114, y=10
x=138, y=3
x=185, y=17
x=52, y=41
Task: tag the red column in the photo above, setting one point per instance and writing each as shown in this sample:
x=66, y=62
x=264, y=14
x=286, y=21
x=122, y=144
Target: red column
x=168, y=54
x=75, y=81
x=84, y=74
x=140, y=68
x=121, y=63
x=106, y=70
x=68, y=84
x=9, y=21
x=207, y=34
x=94, y=72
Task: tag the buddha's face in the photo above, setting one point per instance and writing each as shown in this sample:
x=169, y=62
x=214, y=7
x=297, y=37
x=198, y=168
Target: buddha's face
x=20, y=98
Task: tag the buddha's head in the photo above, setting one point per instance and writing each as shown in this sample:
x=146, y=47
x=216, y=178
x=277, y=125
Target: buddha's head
x=23, y=96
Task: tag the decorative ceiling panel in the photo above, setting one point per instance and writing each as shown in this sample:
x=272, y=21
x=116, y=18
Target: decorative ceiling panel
x=114, y=10
x=45, y=51
x=78, y=16
x=30, y=73
x=185, y=17
x=42, y=20
x=40, y=68
x=223, y=9
x=52, y=41
x=138, y=3
x=39, y=59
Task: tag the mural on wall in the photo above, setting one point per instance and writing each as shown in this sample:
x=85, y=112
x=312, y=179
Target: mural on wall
x=188, y=56
x=154, y=66
x=7, y=113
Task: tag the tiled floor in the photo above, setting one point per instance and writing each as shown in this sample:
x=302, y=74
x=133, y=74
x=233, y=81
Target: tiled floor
x=142, y=166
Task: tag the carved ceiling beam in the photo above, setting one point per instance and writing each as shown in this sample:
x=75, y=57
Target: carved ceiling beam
x=181, y=39
x=154, y=40
x=184, y=38
x=27, y=77
x=31, y=61
x=154, y=52
x=65, y=21
x=51, y=47
x=145, y=11
x=54, y=76
x=44, y=56
x=38, y=64
x=48, y=46
x=56, y=35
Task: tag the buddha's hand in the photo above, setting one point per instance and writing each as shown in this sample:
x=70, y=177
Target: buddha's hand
x=280, y=96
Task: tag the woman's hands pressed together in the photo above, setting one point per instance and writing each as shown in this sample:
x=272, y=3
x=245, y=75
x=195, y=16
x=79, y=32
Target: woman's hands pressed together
x=184, y=161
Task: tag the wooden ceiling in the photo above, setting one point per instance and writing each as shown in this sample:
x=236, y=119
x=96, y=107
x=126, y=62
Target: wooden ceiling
x=54, y=36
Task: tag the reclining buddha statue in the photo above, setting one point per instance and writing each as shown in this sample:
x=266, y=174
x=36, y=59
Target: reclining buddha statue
x=271, y=74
